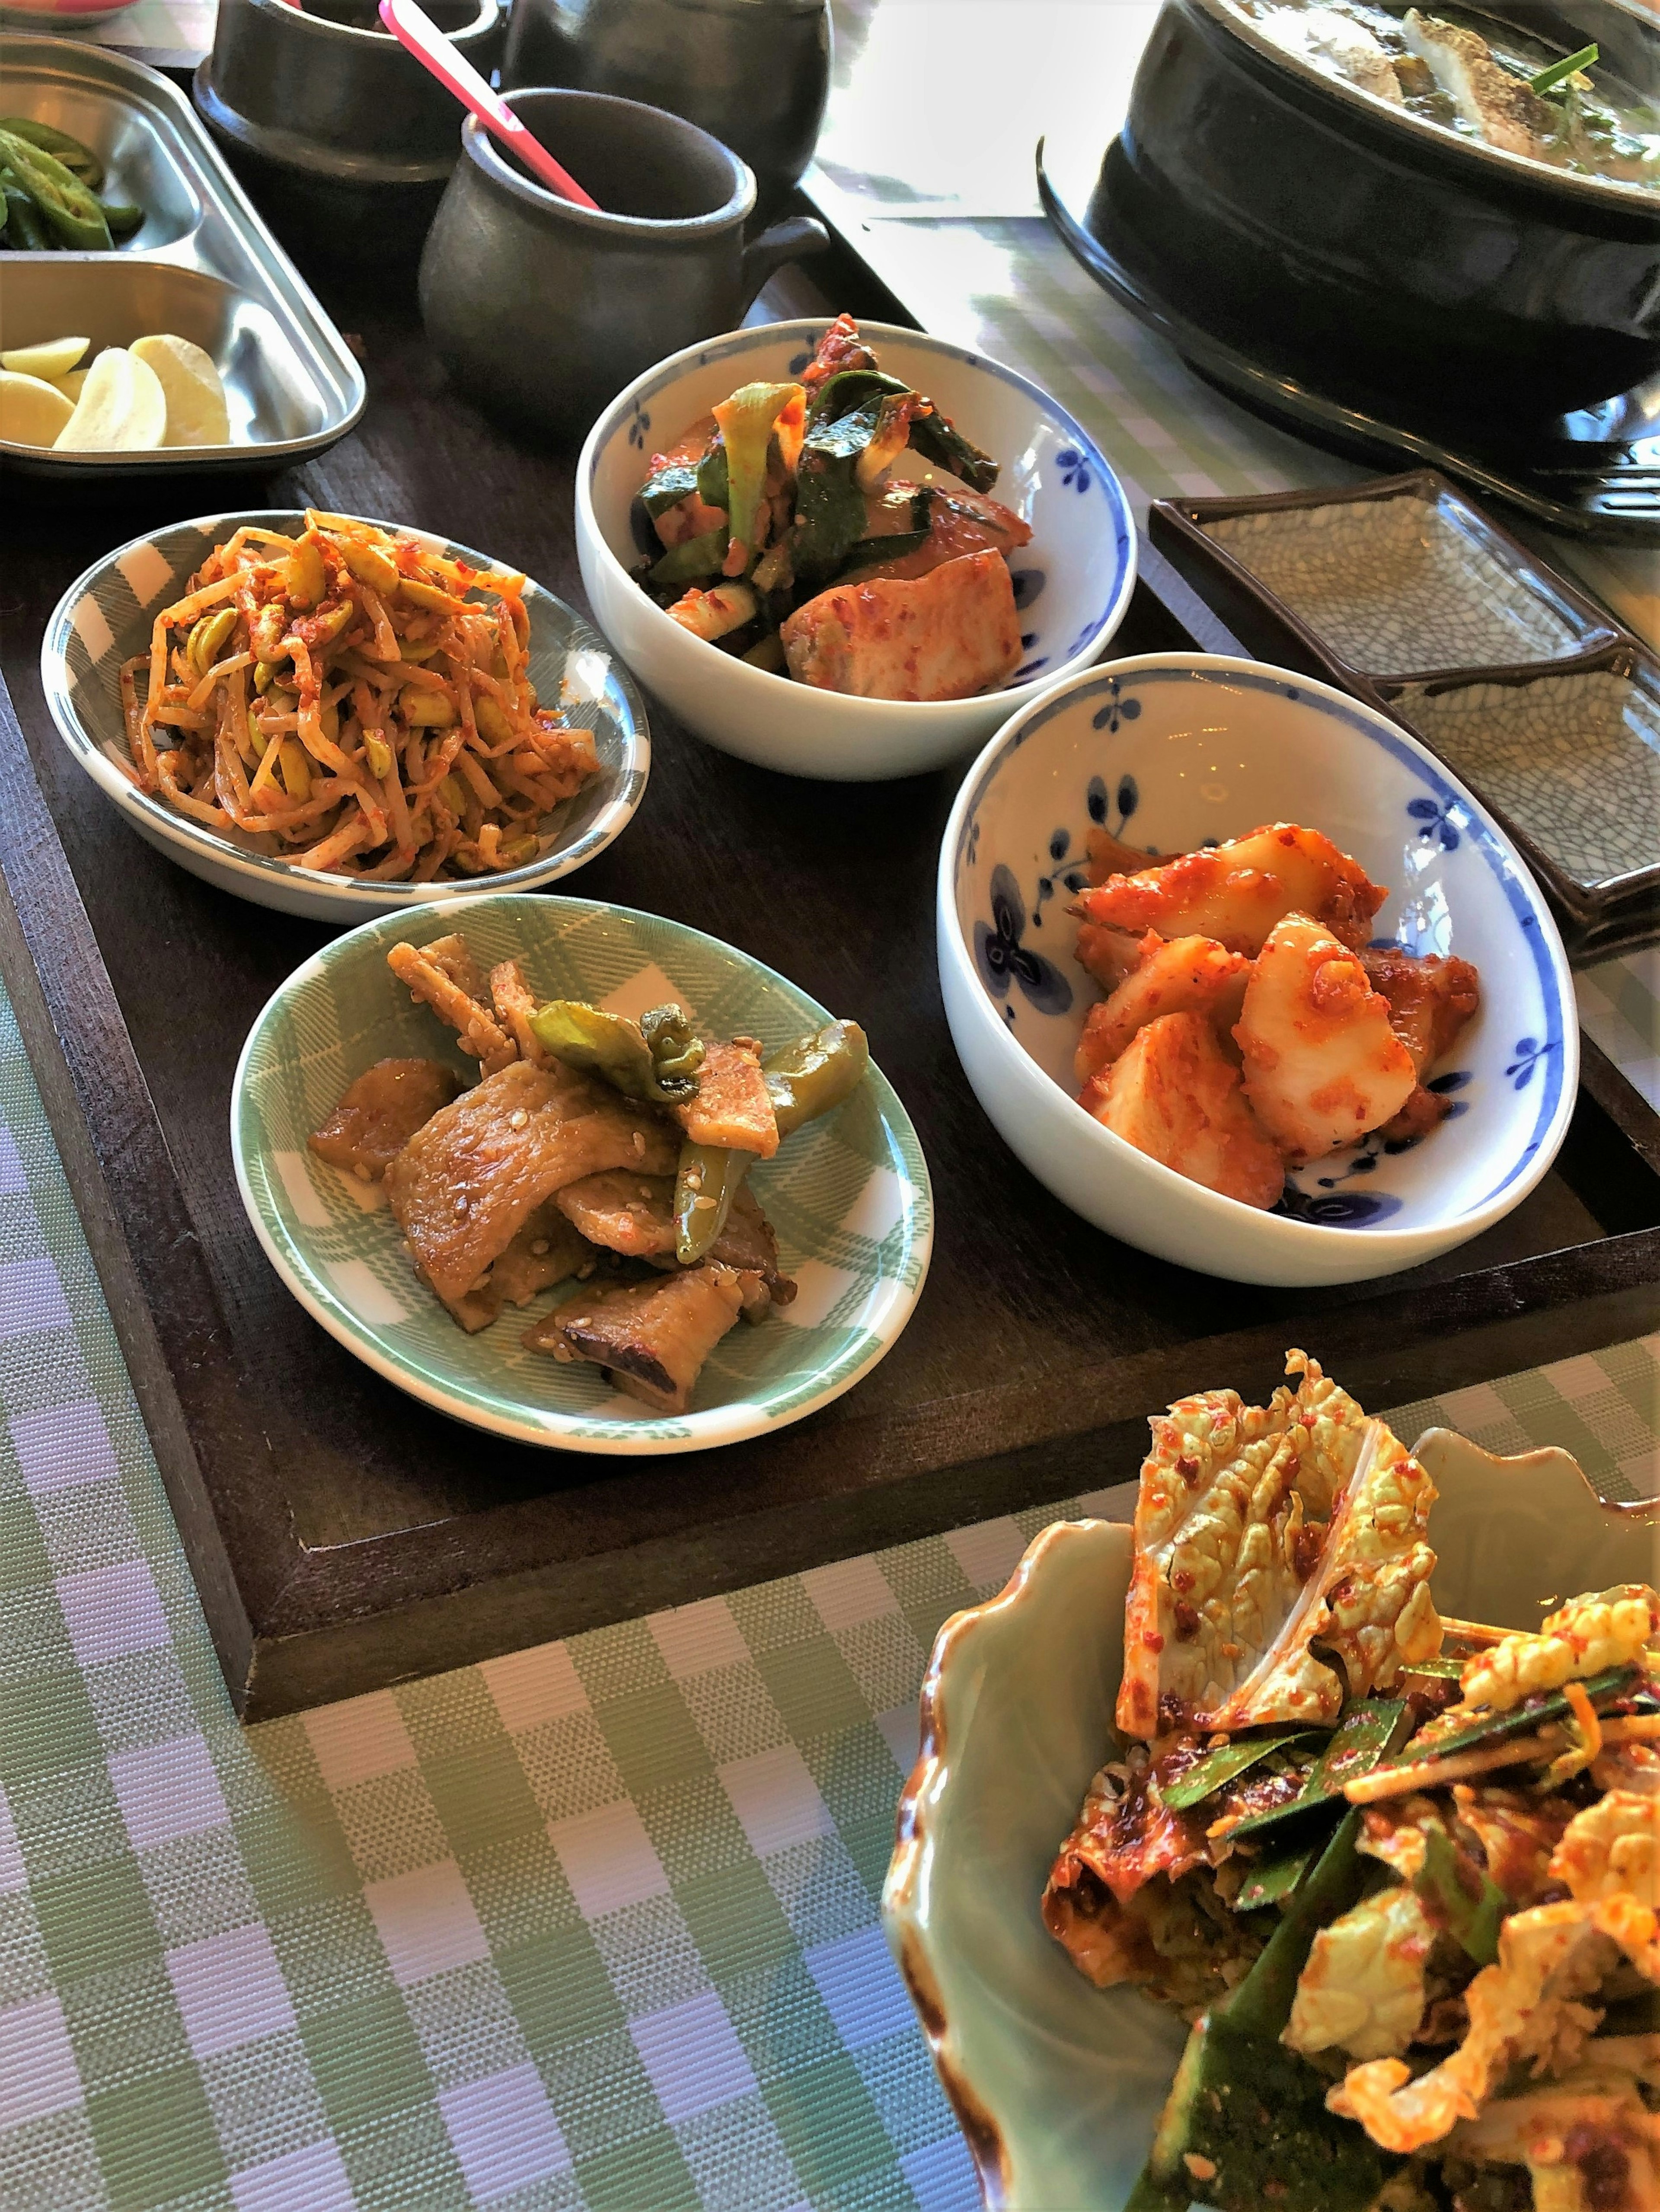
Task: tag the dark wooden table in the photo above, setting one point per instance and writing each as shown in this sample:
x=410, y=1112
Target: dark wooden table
x=344, y=1535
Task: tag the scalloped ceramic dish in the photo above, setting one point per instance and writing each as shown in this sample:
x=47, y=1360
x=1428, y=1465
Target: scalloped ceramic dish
x=106, y=615
x=1058, y=2084
x=850, y=1196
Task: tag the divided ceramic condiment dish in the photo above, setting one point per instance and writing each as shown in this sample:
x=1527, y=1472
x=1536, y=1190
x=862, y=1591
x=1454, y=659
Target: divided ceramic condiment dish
x=1403, y=593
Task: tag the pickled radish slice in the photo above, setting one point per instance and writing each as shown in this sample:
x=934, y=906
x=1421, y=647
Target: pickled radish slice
x=122, y=408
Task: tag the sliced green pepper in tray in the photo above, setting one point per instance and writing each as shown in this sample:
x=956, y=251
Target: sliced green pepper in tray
x=80, y=160
x=68, y=208
x=807, y=1080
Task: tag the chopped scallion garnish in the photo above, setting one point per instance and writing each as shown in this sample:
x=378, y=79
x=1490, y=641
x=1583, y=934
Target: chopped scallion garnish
x=1558, y=72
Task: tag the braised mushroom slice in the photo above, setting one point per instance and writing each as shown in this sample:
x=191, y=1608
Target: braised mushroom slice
x=467, y=1182
x=546, y=1249
x=634, y=1214
x=380, y=1112
x=652, y=1339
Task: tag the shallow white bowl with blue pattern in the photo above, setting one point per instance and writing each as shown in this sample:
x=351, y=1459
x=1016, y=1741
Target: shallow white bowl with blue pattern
x=1171, y=751
x=105, y=618
x=848, y=1196
x=1073, y=582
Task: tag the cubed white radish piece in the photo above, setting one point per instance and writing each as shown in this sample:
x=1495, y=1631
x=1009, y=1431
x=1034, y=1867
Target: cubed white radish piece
x=197, y=415
x=122, y=408
x=31, y=412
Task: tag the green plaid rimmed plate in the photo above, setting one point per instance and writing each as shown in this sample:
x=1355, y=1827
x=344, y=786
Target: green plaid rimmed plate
x=848, y=1196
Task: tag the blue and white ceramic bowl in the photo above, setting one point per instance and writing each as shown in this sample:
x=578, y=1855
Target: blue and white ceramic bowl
x=1169, y=751
x=1073, y=582
x=106, y=616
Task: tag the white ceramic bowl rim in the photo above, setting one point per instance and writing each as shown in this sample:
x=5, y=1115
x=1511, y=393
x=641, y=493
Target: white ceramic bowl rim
x=731, y=1423
x=631, y=403
x=1525, y=902
x=180, y=830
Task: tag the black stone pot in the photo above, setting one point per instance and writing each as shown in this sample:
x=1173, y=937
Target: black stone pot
x=1345, y=243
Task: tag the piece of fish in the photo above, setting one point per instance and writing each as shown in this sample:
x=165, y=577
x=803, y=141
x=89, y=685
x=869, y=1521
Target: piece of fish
x=1334, y=43
x=945, y=635
x=652, y=1338
x=467, y=1180
x=1507, y=112
x=380, y=1112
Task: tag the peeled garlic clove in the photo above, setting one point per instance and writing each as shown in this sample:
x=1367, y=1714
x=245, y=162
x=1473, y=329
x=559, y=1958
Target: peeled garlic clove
x=122, y=408
x=71, y=386
x=197, y=415
x=31, y=412
x=51, y=359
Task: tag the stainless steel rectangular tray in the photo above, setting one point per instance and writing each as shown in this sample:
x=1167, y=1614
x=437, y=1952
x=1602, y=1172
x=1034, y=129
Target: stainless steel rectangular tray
x=203, y=265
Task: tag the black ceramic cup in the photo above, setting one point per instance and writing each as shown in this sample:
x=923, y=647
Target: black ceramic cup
x=342, y=138
x=543, y=310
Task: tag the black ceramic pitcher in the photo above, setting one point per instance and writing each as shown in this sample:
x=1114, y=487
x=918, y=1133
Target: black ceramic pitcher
x=544, y=310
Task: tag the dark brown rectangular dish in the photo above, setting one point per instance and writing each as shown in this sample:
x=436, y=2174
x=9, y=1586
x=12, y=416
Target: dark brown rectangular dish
x=1401, y=593
x=343, y=1536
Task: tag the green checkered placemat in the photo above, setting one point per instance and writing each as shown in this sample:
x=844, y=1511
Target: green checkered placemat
x=594, y=1925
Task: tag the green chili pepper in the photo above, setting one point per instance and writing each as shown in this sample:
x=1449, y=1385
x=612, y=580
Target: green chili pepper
x=67, y=207
x=676, y=1049
x=706, y=1173
x=693, y=557
x=80, y=160
x=807, y=1078
x=123, y=217
x=611, y=1046
x=25, y=232
x=815, y=1074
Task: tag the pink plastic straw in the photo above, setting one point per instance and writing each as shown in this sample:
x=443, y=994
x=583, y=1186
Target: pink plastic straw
x=413, y=27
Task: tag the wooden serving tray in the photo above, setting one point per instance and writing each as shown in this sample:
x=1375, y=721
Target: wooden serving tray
x=343, y=1536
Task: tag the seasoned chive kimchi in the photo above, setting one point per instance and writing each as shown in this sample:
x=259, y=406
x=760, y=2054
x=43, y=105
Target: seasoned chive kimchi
x=1397, y=1871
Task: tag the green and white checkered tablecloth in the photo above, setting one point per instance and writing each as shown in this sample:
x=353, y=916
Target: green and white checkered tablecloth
x=594, y=1925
